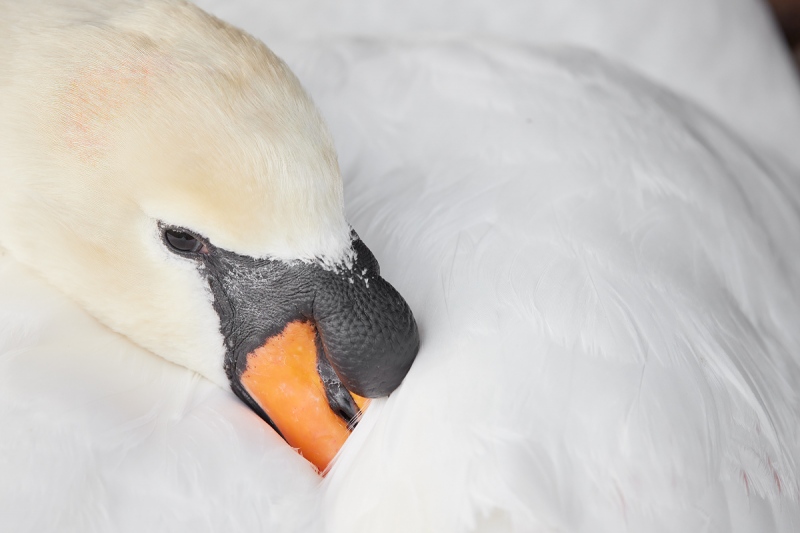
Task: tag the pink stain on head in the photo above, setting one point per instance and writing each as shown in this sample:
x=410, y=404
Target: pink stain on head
x=96, y=99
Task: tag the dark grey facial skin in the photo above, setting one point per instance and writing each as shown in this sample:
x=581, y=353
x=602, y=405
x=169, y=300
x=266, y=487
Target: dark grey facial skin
x=367, y=337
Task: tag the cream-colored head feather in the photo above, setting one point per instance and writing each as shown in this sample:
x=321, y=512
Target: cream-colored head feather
x=115, y=116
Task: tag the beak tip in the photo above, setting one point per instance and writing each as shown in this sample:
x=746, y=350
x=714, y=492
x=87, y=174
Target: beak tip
x=376, y=380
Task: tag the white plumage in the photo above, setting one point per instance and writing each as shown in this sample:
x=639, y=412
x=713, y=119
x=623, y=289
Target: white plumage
x=606, y=285
x=603, y=279
x=100, y=435
x=723, y=54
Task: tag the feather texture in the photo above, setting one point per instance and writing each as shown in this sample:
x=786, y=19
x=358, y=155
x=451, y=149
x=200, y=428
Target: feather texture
x=723, y=54
x=605, y=282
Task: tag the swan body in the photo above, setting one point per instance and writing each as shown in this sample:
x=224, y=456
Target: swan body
x=605, y=281
x=102, y=435
x=726, y=55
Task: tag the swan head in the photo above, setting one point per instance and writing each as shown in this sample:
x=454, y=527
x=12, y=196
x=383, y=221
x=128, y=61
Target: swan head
x=170, y=174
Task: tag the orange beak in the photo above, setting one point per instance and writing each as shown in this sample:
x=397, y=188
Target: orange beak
x=281, y=376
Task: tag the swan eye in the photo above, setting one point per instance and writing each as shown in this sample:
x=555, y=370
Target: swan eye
x=184, y=242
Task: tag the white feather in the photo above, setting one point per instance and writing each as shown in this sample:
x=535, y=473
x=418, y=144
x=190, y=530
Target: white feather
x=605, y=283
x=724, y=54
x=99, y=435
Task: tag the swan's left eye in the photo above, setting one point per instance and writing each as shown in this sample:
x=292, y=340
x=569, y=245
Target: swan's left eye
x=182, y=241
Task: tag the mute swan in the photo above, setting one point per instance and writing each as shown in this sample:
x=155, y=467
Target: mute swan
x=605, y=283
x=186, y=184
